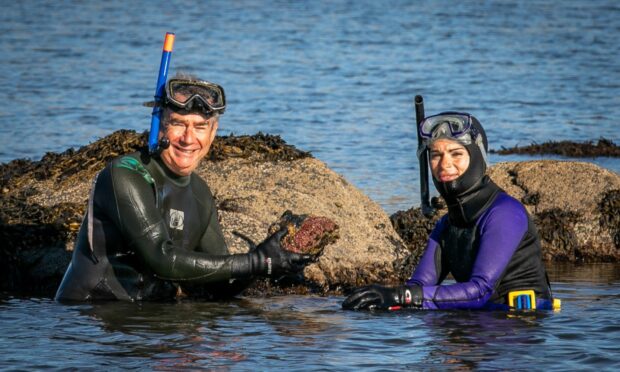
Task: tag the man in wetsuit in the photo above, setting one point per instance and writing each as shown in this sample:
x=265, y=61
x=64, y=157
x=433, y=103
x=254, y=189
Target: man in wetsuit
x=487, y=240
x=152, y=227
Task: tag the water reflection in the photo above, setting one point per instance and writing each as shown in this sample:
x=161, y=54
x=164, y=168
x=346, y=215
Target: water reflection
x=589, y=273
x=193, y=334
x=472, y=339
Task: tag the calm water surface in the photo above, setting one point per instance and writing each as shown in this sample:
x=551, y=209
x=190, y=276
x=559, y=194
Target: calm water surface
x=336, y=78
x=309, y=333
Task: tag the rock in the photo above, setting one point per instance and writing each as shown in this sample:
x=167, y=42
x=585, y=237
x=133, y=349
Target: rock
x=251, y=194
x=254, y=180
x=575, y=207
x=305, y=234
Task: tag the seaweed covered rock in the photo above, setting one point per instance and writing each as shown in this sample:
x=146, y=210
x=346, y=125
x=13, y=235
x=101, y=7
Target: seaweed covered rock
x=254, y=180
x=609, y=207
x=575, y=206
x=414, y=228
x=603, y=147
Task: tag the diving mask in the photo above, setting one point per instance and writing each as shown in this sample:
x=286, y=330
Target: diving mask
x=454, y=126
x=195, y=95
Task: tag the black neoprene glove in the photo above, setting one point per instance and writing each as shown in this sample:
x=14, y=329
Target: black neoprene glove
x=269, y=259
x=384, y=298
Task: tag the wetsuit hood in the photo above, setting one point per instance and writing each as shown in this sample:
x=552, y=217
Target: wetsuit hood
x=468, y=194
x=468, y=181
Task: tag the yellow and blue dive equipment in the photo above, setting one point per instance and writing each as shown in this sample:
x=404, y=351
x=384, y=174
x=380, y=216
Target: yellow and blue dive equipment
x=526, y=300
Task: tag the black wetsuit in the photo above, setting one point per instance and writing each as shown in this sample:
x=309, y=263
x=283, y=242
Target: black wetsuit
x=151, y=230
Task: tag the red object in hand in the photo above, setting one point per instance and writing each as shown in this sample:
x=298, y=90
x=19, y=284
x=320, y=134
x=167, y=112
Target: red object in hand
x=306, y=234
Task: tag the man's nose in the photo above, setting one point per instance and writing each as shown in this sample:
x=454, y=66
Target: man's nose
x=189, y=135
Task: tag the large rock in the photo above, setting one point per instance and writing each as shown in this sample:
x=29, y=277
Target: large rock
x=254, y=180
x=574, y=205
x=251, y=195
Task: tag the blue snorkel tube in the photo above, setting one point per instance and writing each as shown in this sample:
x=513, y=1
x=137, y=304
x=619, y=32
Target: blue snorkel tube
x=154, y=145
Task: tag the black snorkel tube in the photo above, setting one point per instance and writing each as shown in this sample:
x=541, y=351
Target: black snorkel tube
x=156, y=146
x=425, y=203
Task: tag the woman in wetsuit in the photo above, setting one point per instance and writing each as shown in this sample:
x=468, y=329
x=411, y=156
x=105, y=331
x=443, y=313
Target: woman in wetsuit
x=151, y=230
x=487, y=240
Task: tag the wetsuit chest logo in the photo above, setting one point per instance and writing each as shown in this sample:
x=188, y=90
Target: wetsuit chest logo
x=176, y=219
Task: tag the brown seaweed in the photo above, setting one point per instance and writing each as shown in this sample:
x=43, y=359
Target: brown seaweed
x=603, y=147
x=610, y=214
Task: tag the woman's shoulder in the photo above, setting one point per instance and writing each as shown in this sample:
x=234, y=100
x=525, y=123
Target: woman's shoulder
x=503, y=200
x=506, y=207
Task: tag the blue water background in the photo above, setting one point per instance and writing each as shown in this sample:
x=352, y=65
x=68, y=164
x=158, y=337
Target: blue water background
x=336, y=78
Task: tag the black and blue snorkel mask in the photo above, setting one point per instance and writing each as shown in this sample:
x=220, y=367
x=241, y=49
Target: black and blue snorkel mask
x=457, y=126
x=187, y=95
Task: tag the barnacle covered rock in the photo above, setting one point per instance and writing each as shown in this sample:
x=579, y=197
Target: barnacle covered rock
x=307, y=234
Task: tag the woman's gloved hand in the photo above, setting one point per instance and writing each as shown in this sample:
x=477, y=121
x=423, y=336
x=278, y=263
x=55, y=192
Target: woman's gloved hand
x=269, y=259
x=383, y=298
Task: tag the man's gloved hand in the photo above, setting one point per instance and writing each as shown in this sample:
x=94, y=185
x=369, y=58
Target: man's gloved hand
x=269, y=259
x=383, y=298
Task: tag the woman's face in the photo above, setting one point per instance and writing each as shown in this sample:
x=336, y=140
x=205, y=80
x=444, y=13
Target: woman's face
x=449, y=160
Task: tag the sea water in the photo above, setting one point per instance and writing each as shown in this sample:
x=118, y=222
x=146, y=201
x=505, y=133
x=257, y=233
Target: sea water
x=313, y=333
x=336, y=78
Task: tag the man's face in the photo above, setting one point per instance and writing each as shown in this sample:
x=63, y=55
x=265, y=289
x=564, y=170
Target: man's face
x=190, y=138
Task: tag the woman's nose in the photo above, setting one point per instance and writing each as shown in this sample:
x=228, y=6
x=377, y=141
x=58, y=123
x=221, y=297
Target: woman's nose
x=446, y=162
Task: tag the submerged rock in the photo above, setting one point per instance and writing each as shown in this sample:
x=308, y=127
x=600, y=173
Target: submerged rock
x=603, y=147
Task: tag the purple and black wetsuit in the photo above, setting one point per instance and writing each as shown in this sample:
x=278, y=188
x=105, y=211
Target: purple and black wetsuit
x=487, y=241
x=490, y=246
